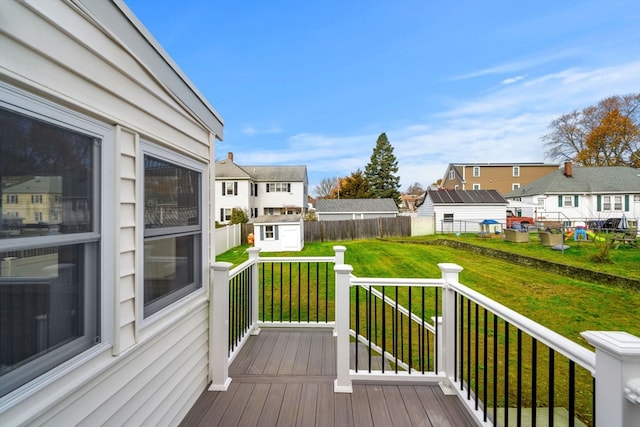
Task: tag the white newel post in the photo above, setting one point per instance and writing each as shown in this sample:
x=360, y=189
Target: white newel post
x=342, y=383
x=617, y=378
x=254, y=253
x=219, y=327
x=339, y=251
x=450, y=273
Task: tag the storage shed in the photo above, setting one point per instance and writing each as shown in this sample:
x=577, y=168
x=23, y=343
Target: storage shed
x=279, y=233
x=462, y=210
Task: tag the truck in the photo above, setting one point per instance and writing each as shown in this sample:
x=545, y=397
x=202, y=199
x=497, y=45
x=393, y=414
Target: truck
x=523, y=220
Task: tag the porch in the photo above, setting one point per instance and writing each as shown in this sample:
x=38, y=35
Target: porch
x=415, y=337
x=285, y=376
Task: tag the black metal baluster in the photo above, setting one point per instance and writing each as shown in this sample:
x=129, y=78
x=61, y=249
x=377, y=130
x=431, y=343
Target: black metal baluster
x=455, y=338
x=395, y=328
x=317, y=292
x=369, y=337
x=281, y=296
x=384, y=328
x=357, y=326
x=551, y=384
x=572, y=393
x=477, y=390
x=308, y=291
x=326, y=293
x=519, y=379
x=409, y=325
x=468, y=349
x=485, y=364
x=263, y=292
x=506, y=373
x=290, y=291
x=495, y=367
x=534, y=380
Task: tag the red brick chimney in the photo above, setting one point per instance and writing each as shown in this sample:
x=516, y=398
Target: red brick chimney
x=568, y=171
x=230, y=156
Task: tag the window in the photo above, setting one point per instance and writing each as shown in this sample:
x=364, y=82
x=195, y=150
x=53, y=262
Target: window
x=229, y=188
x=567, y=201
x=225, y=214
x=515, y=186
x=516, y=171
x=606, y=203
x=278, y=187
x=448, y=217
x=269, y=233
x=253, y=188
x=172, y=228
x=452, y=174
x=476, y=171
x=476, y=186
x=49, y=286
x=617, y=203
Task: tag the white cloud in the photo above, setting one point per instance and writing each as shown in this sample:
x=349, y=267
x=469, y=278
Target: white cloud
x=250, y=130
x=513, y=80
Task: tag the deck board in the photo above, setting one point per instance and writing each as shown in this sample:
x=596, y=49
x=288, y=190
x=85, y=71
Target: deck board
x=284, y=377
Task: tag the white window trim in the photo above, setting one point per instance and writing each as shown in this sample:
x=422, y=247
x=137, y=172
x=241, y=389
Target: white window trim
x=515, y=186
x=26, y=103
x=156, y=321
x=516, y=171
x=476, y=171
x=476, y=186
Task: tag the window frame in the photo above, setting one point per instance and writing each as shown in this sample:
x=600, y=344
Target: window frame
x=98, y=250
x=476, y=186
x=476, y=171
x=186, y=294
x=516, y=171
x=567, y=201
x=515, y=186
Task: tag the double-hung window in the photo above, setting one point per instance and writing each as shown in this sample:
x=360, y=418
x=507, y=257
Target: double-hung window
x=476, y=171
x=49, y=254
x=172, y=228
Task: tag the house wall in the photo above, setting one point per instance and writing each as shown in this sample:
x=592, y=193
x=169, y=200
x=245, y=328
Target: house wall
x=587, y=207
x=144, y=371
x=466, y=218
x=296, y=198
x=497, y=177
x=242, y=200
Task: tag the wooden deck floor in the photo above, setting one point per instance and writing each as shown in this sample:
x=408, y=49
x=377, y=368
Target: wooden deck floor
x=284, y=377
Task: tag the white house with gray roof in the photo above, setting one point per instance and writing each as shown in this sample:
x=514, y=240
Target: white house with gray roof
x=259, y=190
x=341, y=209
x=582, y=193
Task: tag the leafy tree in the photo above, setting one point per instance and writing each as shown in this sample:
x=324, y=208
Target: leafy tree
x=381, y=170
x=310, y=216
x=355, y=186
x=415, y=189
x=606, y=134
x=239, y=216
x=325, y=188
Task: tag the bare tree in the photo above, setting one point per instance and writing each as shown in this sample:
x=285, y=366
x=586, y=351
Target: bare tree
x=602, y=134
x=325, y=188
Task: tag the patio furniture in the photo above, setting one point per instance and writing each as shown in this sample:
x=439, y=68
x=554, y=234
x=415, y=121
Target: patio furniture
x=548, y=238
x=516, y=236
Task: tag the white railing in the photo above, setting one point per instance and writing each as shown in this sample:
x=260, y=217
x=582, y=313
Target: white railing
x=615, y=365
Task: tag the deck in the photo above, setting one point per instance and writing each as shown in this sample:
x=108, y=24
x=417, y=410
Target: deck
x=284, y=377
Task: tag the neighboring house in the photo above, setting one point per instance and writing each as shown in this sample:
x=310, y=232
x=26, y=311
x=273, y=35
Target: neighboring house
x=278, y=233
x=341, y=209
x=503, y=177
x=408, y=202
x=460, y=210
x=259, y=190
x=583, y=193
x=104, y=321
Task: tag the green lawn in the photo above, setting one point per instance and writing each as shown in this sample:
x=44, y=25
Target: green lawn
x=563, y=304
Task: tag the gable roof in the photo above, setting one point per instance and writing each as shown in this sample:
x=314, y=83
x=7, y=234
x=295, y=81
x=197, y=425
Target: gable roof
x=444, y=197
x=584, y=180
x=227, y=169
x=277, y=219
x=355, y=205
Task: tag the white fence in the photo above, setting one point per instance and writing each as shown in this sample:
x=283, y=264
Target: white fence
x=227, y=238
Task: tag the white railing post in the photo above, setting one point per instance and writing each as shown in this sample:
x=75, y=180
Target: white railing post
x=450, y=274
x=342, y=383
x=437, y=324
x=339, y=251
x=219, y=327
x=254, y=254
x=617, y=378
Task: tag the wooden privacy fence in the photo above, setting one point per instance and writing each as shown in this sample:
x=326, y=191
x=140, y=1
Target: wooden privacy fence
x=355, y=229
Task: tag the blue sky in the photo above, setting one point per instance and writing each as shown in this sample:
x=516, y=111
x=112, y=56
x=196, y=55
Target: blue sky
x=314, y=82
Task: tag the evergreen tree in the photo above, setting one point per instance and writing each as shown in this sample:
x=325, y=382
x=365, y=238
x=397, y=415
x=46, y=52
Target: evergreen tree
x=381, y=171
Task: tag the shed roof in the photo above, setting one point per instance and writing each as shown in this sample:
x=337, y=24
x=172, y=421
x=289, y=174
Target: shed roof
x=442, y=197
x=277, y=219
x=355, y=205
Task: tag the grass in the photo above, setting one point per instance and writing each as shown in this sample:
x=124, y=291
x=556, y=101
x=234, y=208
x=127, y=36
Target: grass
x=563, y=304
